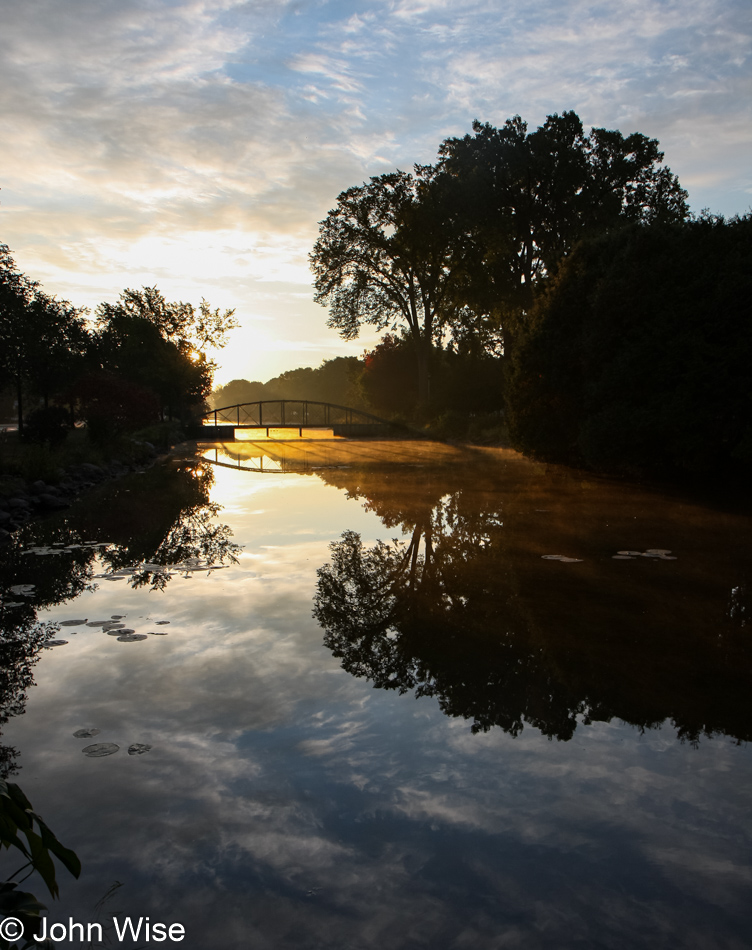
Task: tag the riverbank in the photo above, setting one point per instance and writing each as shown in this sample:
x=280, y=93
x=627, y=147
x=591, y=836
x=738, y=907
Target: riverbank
x=37, y=480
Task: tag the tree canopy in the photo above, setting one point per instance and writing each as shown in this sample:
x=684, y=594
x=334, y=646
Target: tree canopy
x=458, y=247
x=385, y=258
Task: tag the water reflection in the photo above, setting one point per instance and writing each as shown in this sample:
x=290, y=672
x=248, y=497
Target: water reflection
x=470, y=609
x=144, y=531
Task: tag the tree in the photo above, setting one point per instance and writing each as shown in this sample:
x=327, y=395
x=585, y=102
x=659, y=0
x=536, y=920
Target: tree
x=386, y=257
x=192, y=330
x=161, y=345
x=636, y=359
x=40, y=337
x=530, y=197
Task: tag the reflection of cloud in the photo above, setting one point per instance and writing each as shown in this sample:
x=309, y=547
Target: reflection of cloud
x=284, y=797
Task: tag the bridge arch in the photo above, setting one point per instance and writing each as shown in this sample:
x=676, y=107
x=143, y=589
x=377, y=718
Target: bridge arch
x=291, y=414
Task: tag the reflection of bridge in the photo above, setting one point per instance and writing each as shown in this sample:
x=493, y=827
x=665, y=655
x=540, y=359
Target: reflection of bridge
x=284, y=417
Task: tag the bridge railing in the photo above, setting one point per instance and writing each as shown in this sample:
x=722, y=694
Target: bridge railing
x=293, y=413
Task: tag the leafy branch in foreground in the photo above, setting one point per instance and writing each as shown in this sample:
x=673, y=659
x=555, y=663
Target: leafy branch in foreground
x=19, y=821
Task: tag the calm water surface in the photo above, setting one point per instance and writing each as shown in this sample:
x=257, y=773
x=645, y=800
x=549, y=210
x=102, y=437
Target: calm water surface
x=386, y=716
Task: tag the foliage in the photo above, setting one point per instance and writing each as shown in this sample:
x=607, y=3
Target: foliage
x=134, y=349
x=50, y=425
x=333, y=381
x=637, y=356
x=112, y=405
x=464, y=383
x=386, y=257
x=530, y=196
x=42, y=340
x=192, y=330
x=387, y=380
x=19, y=821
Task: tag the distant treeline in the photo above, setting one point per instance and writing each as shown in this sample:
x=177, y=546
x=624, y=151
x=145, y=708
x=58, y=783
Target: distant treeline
x=383, y=382
x=140, y=361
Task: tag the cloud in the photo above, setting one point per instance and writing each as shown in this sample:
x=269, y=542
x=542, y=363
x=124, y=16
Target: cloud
x=130, y=126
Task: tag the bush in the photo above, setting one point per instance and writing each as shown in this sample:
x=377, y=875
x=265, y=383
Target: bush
x=49, y=425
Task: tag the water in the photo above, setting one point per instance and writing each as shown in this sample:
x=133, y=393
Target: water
x=442, y=739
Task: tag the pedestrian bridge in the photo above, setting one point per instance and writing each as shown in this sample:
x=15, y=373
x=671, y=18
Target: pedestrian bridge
x=291, y=418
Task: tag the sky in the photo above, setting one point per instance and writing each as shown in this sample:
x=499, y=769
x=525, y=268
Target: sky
x=196, y=144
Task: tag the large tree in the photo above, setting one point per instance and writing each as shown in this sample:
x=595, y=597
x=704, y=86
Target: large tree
x=531, y=196
x=161, y=345
x=387, y=257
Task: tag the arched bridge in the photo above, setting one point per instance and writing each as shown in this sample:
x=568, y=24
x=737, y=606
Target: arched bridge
x=283, y=417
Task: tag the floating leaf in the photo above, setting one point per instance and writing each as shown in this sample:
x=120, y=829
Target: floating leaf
x=138, y=748
x=112, y=625
x=622, y=557
x=55, y=643
x=118, y=616
x=570, y=560
x=160, y=623
x=97, y=623
x=552, y=557
x=110, y=577
x=99, y=749
x=630, y=553
x=131, y=637
x=72, y=623
x=157, y=633
x=86, y=733
x=23, y=590
x=657, y=551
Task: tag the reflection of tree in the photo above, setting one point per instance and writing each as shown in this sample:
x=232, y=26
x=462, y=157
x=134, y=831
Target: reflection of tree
x=434, y=623
x=465, y=610
x=19, y=651
x=146, y=523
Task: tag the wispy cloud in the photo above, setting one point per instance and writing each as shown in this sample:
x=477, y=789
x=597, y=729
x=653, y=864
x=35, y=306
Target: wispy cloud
x=124, y=124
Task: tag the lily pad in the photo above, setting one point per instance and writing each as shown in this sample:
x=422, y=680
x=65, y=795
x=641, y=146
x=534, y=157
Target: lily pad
x=157, y=633
x=119, y=631
x=629, y=553
x=570, y=560
x=111, y=577
x=657, y=551
x=552, y=557
x=86, y=733
x=117, y=616
x=99, y=749
x=112, y=625
x=622, y=557
x=72, y=623
x=23, y=590
x=55, y=643
x=160, y=623
x=96, y=623
x=131, y=637
x=138, y=748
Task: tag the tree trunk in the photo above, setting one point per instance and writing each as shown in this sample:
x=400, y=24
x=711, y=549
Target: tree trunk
x=19, y=397
x=424, y=378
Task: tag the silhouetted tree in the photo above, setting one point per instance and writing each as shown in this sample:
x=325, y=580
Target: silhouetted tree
x=637, y=357
x=530, y=196
x=386, y=257
x=42, y=339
